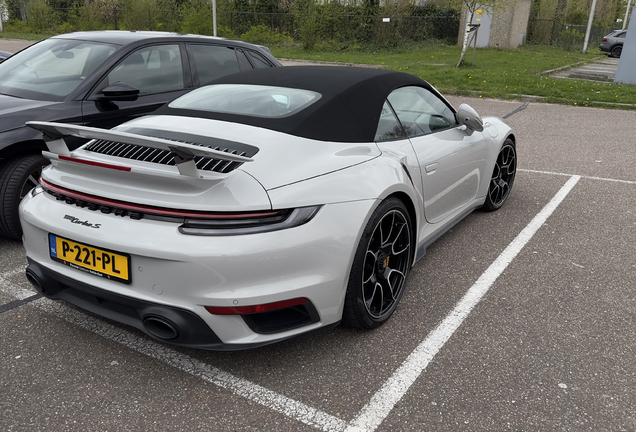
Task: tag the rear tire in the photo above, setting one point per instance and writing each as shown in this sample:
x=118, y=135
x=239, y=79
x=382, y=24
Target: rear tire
x=380, y=267
x=617, y=51
x=18, y=176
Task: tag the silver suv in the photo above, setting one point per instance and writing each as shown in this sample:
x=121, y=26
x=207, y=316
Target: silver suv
x=613, y=43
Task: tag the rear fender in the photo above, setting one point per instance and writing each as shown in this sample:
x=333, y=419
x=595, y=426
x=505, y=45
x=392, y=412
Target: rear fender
x=373, y=180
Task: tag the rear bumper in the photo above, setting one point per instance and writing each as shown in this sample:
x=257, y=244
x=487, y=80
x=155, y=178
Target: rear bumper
x=190, y=331
x=175, y=276
x=154, y=319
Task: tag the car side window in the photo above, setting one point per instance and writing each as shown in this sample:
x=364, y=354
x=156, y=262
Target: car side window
x=420, y=111
x=244, y=63
x=214, y=61
x=153, y=69
x=258, y=61
x=389, y=128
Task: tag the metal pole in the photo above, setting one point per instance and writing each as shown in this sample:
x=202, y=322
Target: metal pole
x=589, y=27
x=475, y=44
x=214, y=16
x=629, y=2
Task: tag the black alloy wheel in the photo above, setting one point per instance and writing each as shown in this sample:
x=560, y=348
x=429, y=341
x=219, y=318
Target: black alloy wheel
x=617, y=51
x=503, y=177
x=18, y=176
x=381, y=267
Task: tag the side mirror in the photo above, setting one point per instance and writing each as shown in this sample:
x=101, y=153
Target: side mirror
x=467, y=116
x=120, y=91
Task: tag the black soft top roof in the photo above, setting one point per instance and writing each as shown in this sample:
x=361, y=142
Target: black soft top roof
x=348, y=110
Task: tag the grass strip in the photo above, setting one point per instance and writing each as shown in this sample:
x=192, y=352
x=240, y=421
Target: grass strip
x=505, y=74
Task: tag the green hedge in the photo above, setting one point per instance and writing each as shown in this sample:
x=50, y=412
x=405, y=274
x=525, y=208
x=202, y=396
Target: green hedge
x=309, y=22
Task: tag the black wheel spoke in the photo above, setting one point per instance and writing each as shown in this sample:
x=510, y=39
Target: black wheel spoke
x=398, y=242
x=369, y=267
x=494, y=190
x=496, y=171
x=386, y=227
x=395, y=279
x=371, y=295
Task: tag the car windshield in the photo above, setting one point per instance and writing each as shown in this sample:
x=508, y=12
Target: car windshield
x=51, y=69
x=249, y=100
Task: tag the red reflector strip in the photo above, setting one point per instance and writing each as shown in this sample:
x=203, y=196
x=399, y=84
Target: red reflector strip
x=246, y=310
x=93, y=163
x=151, y=210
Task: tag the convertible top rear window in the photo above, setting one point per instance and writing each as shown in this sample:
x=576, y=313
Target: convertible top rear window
x=248, y=100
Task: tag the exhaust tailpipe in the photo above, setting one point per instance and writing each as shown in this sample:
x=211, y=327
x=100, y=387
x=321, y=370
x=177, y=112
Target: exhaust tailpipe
x=161, y=328
x=35, y=281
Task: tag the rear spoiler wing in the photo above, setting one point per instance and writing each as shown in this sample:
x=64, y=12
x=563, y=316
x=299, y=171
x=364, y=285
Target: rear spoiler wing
x=184, y=154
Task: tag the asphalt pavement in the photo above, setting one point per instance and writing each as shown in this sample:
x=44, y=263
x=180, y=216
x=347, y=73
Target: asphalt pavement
x=521, y=319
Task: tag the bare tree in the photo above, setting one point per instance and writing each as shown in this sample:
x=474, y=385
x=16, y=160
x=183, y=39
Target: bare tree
x=471, y=7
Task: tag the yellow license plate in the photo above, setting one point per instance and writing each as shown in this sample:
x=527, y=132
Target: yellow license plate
x=98, y=262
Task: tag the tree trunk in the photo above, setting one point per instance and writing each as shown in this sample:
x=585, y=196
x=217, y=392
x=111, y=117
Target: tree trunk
x=469, y=18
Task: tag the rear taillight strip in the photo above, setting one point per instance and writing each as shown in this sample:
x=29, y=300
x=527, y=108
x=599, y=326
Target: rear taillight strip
x=154, y=210
x=246, y=310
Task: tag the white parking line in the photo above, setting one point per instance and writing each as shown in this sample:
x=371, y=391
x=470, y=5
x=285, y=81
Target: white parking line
x=585, y=177
x=268, y=398
x=380, y=405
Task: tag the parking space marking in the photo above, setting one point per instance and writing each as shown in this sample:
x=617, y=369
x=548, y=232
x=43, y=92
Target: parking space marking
x=242, y=387
x=521, y=108
x=382, y=403
x=582, y=176
x=17, y=303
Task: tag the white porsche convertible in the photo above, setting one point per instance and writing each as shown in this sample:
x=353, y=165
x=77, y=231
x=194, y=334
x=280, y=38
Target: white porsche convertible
x=269, y=204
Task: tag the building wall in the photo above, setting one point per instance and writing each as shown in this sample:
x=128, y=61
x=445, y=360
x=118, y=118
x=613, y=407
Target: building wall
x=509, y=26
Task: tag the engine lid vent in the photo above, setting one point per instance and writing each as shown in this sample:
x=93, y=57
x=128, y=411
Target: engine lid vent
x=165, y=157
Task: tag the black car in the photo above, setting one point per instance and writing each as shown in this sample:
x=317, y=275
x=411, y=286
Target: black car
x=99, y=79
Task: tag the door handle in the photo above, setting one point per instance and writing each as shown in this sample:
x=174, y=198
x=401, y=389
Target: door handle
x=430, y=169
